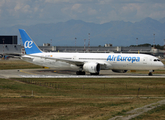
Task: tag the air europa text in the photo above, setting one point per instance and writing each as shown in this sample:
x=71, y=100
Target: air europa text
x=123, y=58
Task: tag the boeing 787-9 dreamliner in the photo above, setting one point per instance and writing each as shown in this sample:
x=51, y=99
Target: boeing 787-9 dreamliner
x=88, y=62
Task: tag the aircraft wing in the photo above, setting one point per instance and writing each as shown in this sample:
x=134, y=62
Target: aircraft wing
x=78, y=63
x=74, y=62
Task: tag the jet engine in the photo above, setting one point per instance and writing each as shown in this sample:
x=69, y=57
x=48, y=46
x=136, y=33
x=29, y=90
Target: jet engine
x=120, y=71
x=91, y=67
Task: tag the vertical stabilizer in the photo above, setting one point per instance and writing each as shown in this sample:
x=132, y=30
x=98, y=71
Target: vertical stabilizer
x=28, y=43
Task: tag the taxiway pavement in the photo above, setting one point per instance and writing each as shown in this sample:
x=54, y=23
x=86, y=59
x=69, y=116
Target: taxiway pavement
x=48, y=73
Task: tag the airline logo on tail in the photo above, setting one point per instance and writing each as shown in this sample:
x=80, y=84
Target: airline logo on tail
x=28, y=44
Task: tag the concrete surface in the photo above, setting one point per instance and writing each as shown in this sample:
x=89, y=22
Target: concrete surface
x=48, y=73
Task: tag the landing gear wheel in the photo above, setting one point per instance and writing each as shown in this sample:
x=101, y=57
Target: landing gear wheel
x=80, y=73
x=95, y=73
x=150, y=73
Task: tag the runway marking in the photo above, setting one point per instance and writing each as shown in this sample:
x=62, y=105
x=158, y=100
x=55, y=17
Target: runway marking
x=27, y=72
x=82, y=76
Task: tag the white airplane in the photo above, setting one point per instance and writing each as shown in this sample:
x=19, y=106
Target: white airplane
x=88, y=62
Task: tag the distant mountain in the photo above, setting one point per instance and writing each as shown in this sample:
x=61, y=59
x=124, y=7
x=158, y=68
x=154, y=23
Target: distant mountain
x=118, y=33
x=162, y=20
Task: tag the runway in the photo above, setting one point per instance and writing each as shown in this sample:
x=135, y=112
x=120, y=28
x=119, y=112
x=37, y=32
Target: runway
x=48, y=73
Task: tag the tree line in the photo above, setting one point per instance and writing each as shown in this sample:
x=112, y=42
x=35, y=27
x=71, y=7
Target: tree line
x=149, y=45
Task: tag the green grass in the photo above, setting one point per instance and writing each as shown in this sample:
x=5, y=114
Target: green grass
x=103, y=87
x=16, y=64
x=79, y=98
x=86, y=99
x=156, y=114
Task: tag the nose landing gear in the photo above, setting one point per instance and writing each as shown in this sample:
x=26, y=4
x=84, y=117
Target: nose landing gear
x=150, y=72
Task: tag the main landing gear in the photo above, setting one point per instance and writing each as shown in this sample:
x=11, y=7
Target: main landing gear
x=95, y=73
x=80, y=73
x=83, y=73
x=150, y=72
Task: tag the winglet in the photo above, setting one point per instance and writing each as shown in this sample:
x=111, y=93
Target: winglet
x=28, y=43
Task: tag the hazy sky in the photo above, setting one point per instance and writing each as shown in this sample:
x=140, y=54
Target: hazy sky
x=30, y=12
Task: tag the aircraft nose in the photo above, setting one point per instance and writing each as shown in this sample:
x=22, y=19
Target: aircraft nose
x=161, y=65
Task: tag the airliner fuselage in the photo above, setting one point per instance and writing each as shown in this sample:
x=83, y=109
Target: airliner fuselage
x=107, y=61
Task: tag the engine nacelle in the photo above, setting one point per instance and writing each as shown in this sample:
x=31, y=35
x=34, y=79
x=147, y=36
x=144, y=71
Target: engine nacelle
x=120, y=71
x=91, y=67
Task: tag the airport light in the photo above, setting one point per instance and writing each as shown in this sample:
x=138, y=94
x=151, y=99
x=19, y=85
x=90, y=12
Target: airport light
x=20, y=40
x=88, y=41
x=75, y=42
x=51, y=42
x=164, y=47
x=154, y=41
x=3, y=47
x=136, y=41
x=84, y=44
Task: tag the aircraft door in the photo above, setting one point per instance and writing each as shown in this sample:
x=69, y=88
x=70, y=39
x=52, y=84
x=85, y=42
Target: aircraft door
x=75, y=58
x=144, y=60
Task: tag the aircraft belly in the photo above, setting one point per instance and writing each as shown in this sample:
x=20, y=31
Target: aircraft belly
x=129, y=66
x=27, y=59
x=59, y=65
x=139, y=67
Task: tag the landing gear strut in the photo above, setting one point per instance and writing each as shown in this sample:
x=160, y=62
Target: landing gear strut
x=80, y=73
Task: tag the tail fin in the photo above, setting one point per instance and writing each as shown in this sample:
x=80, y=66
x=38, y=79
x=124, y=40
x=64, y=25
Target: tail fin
x=29, y=44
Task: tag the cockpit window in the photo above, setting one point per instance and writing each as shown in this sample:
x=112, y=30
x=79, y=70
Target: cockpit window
x=156, y=60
